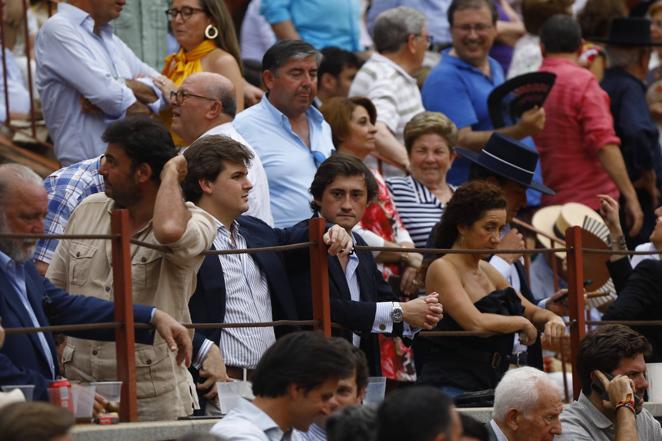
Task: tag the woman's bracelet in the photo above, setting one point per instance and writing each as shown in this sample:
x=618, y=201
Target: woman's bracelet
x=618, y=243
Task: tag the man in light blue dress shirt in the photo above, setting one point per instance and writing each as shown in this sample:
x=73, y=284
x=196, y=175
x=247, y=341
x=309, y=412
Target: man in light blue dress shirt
x=289, y=135
x=87, y=77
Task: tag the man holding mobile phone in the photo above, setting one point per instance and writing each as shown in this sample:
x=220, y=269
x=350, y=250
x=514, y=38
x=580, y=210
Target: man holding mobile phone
x=612, y=371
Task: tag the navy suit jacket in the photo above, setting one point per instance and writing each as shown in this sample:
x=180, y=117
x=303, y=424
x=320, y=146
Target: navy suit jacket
x=22, y=360
x=207, y=305
x=357, y=317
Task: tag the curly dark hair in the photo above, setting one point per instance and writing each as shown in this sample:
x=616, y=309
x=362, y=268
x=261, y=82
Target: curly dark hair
x=605, y=347
x=468, y=204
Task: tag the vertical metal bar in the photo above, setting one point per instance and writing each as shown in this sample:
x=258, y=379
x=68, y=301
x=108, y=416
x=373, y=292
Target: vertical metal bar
x=555, y=268
x=573, y=244
x=123, y=297
x=564, y=371
x=4, y=64
x=28, y=47
x=319, y=273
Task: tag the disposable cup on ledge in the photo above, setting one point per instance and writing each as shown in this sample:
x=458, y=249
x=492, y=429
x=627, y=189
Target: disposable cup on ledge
x=229, y=395
x=654, y=377
x=27, y=389
x=83, y=401
x=111, y=391
x=375, y=391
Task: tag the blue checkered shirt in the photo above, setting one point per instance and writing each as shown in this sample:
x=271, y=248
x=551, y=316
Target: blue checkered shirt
x=66, y=189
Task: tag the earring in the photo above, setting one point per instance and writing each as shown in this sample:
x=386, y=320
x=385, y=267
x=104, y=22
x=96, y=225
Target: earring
x=211, y=32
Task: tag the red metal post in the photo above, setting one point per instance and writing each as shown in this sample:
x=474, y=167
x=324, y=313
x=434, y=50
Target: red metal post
x=28, y=48
x=573, y=244
x=125, y=334
x=319, y=273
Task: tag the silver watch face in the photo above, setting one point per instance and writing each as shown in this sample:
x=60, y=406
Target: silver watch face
x=397, y=315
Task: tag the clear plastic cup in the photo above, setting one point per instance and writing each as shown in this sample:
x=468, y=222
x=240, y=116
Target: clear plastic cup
x=27, y=389
x=111, y=391
x=83, y=401
x=375, y=391
x=229, y=395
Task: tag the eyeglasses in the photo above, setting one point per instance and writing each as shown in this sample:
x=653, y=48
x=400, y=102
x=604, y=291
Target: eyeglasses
x=180, y=96
x=657, y=24
x=427, y=38
x=185, y=11
x=479, y=28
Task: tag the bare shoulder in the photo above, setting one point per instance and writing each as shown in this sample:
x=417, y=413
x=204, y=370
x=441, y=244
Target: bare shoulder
x=493, y=274
x=442, y=269
x=221, y=62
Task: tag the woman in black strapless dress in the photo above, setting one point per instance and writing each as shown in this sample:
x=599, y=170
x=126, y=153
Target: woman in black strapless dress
x=476, y=298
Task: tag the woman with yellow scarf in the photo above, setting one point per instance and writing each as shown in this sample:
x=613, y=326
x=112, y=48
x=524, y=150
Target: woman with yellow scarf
x=208, y=43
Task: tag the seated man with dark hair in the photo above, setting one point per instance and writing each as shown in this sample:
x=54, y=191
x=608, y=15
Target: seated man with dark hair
x=350, y=392
x=419, y=413
x=294, y=383
x=361, y=300
x=238, y=288
x=612, y=371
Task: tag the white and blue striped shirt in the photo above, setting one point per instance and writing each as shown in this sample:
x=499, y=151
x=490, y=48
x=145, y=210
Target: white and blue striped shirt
x=247, y=301
x=419, y=208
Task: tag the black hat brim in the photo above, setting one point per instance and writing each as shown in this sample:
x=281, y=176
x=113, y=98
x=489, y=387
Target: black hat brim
x=476, y=158
x=651, y=43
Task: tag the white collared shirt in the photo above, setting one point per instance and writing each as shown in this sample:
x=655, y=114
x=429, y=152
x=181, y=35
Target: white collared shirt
x=500, y=436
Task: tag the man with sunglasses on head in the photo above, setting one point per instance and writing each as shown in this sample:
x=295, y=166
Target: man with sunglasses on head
x=87, y=78
x=205, y=105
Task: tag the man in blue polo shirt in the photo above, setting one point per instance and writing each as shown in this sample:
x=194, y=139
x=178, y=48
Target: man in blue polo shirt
x=464, y=78
x=289, y=135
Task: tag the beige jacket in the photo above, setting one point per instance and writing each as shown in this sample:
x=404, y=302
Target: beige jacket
x=164, y=280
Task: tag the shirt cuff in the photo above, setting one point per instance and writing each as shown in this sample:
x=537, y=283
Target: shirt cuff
x=160, y=103
x=151, y=316
x=543, y=303
x=502, y=266
x=409, y=331
x=202, y=354
x=383, y=323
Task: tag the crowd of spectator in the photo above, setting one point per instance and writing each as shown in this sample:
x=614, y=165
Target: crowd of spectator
x=376, y=117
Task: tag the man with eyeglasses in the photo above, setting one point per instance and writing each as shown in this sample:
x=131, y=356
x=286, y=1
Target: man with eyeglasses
x=387, y=78
x=205, y=105
x=464, y=78
x=87, y=77
x=289, y=135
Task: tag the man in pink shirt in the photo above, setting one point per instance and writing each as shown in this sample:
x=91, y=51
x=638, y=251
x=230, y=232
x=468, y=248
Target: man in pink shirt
x=579, y=150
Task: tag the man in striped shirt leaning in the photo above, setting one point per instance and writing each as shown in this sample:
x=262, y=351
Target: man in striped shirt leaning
x=238, y=288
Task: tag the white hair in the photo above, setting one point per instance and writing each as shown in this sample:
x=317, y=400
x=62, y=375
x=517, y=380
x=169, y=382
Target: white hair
x=518, y=389
x=13, y=174
x=624, y=56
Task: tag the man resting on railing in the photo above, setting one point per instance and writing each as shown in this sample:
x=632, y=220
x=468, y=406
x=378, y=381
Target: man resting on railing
x=30, y=300
x=141, y=173
x=361, y=300
x=238, y=288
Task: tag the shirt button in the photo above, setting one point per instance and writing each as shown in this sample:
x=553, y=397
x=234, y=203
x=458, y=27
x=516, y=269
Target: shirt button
x=95, y=352
x=107, y=288
x=143, y=260
x=78, y=254
x=148, y=361
x=382, y=327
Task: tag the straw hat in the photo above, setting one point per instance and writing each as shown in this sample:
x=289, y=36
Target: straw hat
x=554, y=220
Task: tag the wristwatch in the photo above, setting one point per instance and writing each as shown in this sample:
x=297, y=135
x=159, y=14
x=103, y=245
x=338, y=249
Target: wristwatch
x=397, y=314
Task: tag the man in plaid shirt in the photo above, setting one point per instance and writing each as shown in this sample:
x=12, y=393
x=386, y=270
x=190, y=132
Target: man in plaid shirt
x=66, y=188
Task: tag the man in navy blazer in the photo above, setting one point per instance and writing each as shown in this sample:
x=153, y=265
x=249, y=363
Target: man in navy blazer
x=28, y=299
x=237, y=288
x=361, y=300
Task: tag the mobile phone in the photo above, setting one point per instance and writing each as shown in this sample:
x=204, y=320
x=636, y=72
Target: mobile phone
x=597, y=386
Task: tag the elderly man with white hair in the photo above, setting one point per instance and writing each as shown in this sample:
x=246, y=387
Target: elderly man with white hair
x=527, y=406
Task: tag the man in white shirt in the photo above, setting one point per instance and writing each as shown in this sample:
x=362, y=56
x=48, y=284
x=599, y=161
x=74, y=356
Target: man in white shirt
x=294, y=383
x=527, y=406
x=205, y=105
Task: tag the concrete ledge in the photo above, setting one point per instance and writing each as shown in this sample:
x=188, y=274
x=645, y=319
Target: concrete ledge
x=172, y=430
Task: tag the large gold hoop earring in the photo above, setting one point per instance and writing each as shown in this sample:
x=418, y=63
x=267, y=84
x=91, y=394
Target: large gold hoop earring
x=211, y=32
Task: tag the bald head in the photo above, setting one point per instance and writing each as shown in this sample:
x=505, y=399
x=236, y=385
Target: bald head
x=215, y=86
x=210, y=103
x=23, y=207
